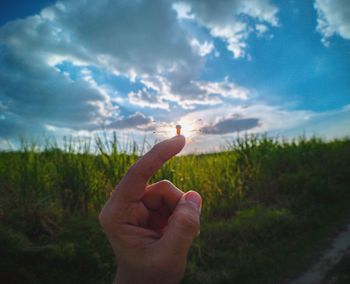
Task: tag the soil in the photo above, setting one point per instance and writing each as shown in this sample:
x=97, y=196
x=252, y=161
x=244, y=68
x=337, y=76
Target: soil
x=331, y=257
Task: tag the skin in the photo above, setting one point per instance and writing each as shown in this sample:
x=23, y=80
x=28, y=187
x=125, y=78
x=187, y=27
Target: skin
x=151, y=227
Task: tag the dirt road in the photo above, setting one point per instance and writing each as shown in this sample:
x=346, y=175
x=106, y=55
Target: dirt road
x=340, y=246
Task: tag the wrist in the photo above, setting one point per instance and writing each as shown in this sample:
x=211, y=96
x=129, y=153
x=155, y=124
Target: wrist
x=126, y=275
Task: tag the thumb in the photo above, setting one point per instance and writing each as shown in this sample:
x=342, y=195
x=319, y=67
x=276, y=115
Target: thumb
x=183, y=225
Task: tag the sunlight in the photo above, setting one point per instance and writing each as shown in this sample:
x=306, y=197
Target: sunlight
x=189, y=128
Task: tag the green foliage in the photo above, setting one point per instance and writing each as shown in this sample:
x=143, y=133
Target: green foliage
x=267, y=202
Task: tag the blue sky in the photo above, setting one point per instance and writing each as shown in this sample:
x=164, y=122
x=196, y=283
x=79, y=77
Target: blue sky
x=220, y=68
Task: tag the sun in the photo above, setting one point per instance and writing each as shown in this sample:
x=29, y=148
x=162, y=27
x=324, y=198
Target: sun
x=189, y=128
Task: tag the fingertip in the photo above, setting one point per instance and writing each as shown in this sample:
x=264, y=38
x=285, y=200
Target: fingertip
x=195, y=198
x=180, y=141
x=179, y=137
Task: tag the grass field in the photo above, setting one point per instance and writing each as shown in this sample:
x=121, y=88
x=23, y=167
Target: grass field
x=267, y=206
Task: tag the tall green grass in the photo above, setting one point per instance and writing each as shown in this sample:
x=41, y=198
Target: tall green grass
x=267, y=203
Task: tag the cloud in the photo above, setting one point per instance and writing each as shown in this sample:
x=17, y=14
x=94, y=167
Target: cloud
x=6, y=145
x=276, y=121
x=85, y=34
x=183, y=10
x=202, y=49
x=333, y=18
x=328, y=124
x=35, y=92
x=124, y=36
x=147, y=98
x=136, y=120
x=224, y=20
x=119, y=38
x=225, y=89
x=180, y=88
x=230, y=125
x=261, y=29
x=268, y=118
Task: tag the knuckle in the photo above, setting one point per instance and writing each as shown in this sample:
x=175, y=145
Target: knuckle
x=188, y=221
x=166, y=183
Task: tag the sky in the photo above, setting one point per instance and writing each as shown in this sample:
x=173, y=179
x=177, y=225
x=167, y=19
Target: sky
x=139, y=67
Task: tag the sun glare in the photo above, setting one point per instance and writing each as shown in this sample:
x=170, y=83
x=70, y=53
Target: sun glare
x=189, y=129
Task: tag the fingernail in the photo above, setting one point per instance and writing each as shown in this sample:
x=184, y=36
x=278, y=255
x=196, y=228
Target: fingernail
x=194, y=198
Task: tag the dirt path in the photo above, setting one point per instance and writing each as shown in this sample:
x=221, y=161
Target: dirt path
x=338, y=248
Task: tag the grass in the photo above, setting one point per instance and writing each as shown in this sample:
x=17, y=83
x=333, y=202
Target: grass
x=267, y=205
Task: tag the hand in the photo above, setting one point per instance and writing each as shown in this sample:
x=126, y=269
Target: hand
x=151, y=227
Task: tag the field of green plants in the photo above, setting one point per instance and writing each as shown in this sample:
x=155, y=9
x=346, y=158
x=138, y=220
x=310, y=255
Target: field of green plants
x=268, y=204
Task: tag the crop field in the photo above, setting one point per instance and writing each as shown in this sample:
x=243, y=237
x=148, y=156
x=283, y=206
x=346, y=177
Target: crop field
x=267, y=207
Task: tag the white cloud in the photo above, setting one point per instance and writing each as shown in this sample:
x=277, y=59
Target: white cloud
x=333, y=18
x=183, y=10
x=223, y=19
x=225, y=89
x=261, y=29
x=202, y=49
x=262, y=10
x=145, y=98
x=6, y=145
x=189, y=94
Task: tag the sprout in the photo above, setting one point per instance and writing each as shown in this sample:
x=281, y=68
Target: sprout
x=178, y=129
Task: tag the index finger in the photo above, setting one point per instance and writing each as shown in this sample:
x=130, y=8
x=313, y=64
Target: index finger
x=133, y=184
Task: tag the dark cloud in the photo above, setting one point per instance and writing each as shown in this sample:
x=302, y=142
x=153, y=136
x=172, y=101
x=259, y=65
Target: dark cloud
x=132, y=121
x=13, y=126
x=35, y=92
x=233, y=124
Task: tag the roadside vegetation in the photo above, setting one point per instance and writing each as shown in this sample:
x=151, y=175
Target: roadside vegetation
x=268, y=204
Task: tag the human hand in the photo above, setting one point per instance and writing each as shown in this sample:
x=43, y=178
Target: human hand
x=151, y=227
